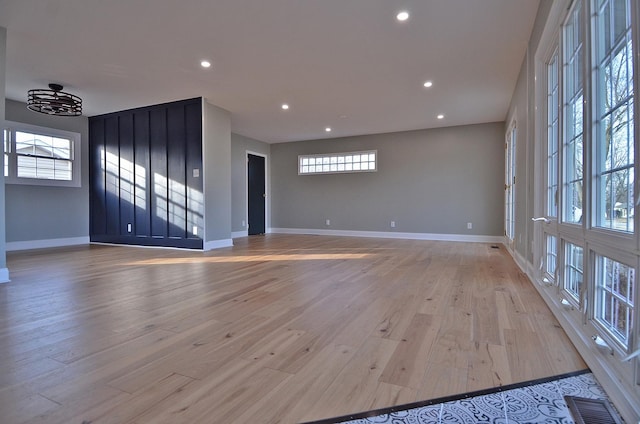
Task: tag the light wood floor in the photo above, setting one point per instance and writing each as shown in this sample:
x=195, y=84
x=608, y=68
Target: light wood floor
x=277, y=329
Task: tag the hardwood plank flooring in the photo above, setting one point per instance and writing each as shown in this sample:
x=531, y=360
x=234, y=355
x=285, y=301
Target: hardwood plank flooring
x=277, y=329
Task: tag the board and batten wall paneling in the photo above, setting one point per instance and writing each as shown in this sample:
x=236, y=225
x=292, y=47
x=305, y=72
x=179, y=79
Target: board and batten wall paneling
x=176, y=172
x=143, y=188
x=158, y=173
x=127, y=204
x=112, y=183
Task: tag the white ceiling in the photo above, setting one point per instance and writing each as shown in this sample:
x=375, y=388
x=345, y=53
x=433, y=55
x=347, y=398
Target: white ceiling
x=346, y=64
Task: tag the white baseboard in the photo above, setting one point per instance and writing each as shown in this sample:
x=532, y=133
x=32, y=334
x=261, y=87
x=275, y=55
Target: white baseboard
x=524, y=265
x=391, y=235
x=217, y=244
x=238, y=234
x=4, y=275
x=626, y=399
x=47, y=243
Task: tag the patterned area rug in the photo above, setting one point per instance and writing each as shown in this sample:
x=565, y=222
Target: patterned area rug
x=540, y=401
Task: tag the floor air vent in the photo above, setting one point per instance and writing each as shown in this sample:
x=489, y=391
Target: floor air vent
x=591, y=411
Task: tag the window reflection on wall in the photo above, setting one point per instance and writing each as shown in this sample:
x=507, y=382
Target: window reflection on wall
x=173, y=202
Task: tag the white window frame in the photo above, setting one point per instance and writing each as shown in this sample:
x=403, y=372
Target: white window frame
x=550, y=257
x=552, y=207
x=334, y=160
x=12, y=157
x=597, y=159
x=626, y=259
x=510, y=160
x=573, y=271
x=572, y=98
x=549, y=254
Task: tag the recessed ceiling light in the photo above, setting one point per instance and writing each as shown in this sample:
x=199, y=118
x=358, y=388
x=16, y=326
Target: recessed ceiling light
x=441, y=116
x=205, y=64
x=328, y=129
x=428, y=84
x=285, y=106
x=402, y=16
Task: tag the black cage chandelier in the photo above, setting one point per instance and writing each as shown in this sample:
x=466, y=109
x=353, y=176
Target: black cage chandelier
x=54, y=101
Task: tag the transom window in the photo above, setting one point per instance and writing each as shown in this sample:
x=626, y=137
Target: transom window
x=338, y=163
x=41, y=156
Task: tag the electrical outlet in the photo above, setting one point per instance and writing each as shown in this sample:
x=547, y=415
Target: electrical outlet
x=196, y=172
x=469, y=225
x=195, y=230
x=244, y=223
x=129, y=228
x=393, y=224
x=328, y=222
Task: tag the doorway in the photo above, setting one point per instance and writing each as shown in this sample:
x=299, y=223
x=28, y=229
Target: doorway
x=257, y=194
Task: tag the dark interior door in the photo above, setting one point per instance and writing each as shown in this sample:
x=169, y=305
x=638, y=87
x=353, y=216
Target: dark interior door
x=257, y=194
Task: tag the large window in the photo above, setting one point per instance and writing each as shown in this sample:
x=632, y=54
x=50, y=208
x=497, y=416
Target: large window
x=614, y=132
x=551, y=201
x=41, y=156
x=585, y=184
x=573, y=127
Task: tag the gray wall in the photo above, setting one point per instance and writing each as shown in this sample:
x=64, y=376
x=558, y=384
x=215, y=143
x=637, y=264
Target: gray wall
x=239, y=147
x=216, y=164
x=3, y=55
x=42, y=212
x=428, y=181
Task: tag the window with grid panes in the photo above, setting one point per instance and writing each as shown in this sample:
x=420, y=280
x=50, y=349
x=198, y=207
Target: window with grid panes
x=614, y=132
x=551, y=257
x=41, y=156
x=573, y=128
x=615, y=285
x=338, y=163
x=573, y=259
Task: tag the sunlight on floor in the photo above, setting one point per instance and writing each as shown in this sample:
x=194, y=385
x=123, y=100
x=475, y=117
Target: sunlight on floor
x=260, y=258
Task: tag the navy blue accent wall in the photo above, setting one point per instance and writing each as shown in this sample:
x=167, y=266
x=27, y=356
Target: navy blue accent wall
x=146, y=176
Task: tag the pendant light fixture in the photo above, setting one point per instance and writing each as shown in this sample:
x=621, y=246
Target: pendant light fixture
x=54, y=101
